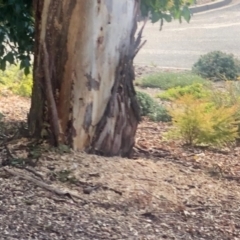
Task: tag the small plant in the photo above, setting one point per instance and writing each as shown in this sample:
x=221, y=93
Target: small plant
x=200, y=122
x=146, y=103
x=151, y=108
x=229, y=96
x=217, y=65
x=197, y=90
x=159, y=114
x=166, y=80
x=16, y=81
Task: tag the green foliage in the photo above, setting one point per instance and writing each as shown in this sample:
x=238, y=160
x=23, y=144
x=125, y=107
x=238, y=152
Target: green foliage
x=159, y=114
x=16, y=81
x=217, y=65
x=17, y=26
x=197, y=90
x=16, y=33
x=146, y=103
x=166, y=10
x=201, y=122
x=166, y=80
x=151, y=108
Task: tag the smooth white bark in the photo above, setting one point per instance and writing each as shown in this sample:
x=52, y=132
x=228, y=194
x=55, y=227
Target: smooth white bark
x=95, y=48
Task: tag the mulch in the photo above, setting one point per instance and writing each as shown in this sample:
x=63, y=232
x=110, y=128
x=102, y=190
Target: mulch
x=168, y=191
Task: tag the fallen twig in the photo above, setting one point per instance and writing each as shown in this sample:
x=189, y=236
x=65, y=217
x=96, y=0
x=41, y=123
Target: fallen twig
x=143, y=179
x=152, y=152
x=33, y=172
x=90, y=189
x=44, y=185
x=161, y=198
x=231, y=177
x=7, y=140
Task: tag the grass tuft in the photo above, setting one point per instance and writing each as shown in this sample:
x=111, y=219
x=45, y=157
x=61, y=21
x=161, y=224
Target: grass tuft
x=166, y=80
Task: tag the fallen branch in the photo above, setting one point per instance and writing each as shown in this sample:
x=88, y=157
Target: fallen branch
x=33, y=172
x=7, y=140
x=112, y=189
x=143, y=179
x=231, y=177
x=201, y=207
x=44, y=185
x=90, y=189
x=152, y=152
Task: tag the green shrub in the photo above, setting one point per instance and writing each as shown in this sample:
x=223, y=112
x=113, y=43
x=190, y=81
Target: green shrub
x=197, y=90
x=16, y=81
x=166, y=80
x=146, y=103
x=198, y=121
x=159, y=114
x=217, y=65
x=151, y=108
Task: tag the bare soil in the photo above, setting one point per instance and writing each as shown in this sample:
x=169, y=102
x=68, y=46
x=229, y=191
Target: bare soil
x=168, y=191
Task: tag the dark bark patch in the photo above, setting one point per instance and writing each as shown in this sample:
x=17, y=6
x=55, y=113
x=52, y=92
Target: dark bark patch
x=100, y=40
x=99, y=78
x=109, y=19
x=99, y=5
x=126, y=115
x=74, y=132
x=88, y=117
x=92, y=83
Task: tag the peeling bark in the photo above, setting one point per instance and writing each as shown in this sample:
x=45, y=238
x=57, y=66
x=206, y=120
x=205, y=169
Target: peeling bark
x=90, y=46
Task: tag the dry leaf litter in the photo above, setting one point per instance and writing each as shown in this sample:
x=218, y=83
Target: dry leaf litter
x=167, y=191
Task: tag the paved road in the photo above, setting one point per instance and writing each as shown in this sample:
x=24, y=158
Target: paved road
x=180, y=45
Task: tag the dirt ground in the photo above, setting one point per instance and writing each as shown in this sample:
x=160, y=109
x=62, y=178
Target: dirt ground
x=168, y=191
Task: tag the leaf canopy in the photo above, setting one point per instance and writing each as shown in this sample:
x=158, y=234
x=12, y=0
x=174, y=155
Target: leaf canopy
x=17, y=26
x=166, y=10
x=16, y=33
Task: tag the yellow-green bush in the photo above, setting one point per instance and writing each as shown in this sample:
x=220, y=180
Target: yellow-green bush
x=197, y=90
x=230, y=95
x=16, y=81
x=198, y=121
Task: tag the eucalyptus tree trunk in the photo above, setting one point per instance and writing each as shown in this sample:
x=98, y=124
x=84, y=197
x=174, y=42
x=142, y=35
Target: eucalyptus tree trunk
x=83, y=94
